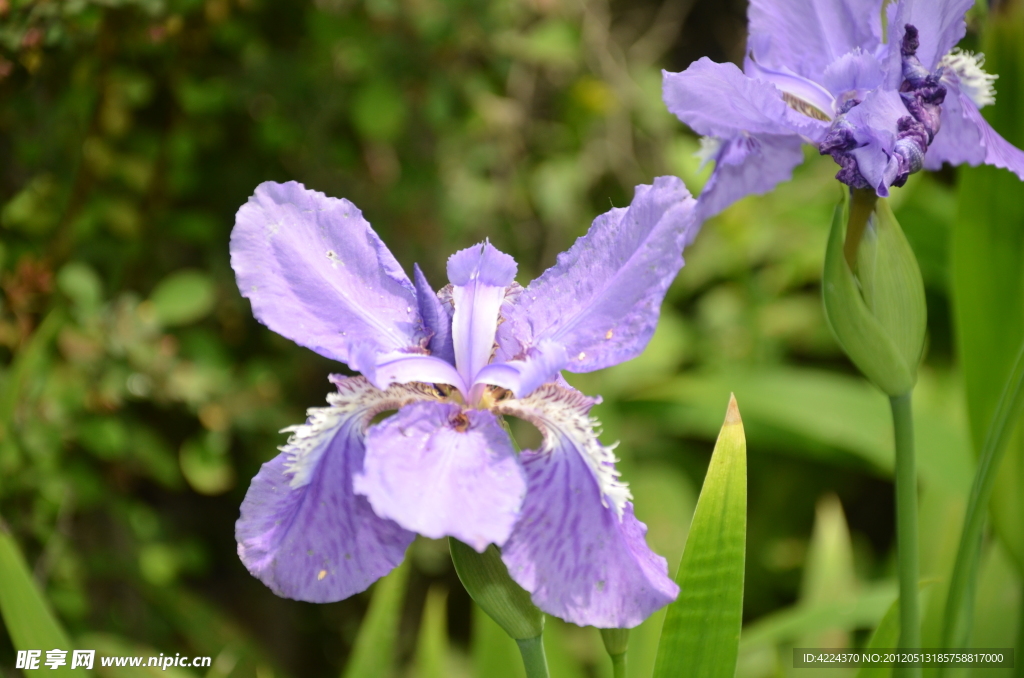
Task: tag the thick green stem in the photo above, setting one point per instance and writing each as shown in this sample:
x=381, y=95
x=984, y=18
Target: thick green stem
x=619, y=665
x=906, y=527
x=534, y=660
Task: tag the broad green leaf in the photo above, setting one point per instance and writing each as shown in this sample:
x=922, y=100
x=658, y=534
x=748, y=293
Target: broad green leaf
x=988, y=271
x=183, y=297
x=26, y=614
x=431, y=659
x=373, y=651
x=851, y=425
x=701, y=634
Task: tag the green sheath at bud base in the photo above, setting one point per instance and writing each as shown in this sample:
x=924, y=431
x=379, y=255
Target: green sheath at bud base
x=877, y=313
x=487, y=581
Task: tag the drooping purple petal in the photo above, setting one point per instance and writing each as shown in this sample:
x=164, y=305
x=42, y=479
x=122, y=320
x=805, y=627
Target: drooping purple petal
x=807, y=35
x=601, y=299
x=940, y=24
x=317, y=274
x=577, y=547
x=436, y=318
x=966, y=137
x=748, y=165
x=441, y=471
x=303, y=531
x=718, y=100
x=479, y=276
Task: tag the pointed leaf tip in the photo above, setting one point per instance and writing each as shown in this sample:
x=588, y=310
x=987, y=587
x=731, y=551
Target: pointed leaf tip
x=732, y=415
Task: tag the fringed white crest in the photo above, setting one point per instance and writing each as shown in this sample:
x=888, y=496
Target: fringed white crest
x=564, y=413
x=356, y=398
x=978, y=85
x=709, y=148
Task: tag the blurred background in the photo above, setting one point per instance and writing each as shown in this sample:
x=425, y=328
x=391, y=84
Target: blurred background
x=138, y=396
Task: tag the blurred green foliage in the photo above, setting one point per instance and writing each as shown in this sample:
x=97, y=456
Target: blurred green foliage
x=138, y=395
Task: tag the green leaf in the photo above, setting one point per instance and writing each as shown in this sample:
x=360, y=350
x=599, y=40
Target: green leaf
x=373, y=651
x=431, y=659
x=829, y=573
x=886, y=635
x=26, y=614
x=182, y=298
x=988, y=273
x=701, y=634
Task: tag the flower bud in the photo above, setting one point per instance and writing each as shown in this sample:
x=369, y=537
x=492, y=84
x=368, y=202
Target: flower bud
x=487, y=581
x=874, y=294
x=616, y=641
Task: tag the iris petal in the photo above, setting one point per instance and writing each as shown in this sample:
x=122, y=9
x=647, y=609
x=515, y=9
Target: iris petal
x=303, y=531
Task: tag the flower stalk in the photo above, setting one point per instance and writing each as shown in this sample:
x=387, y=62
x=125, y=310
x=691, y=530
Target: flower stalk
x=616, y=642
x=906, y=528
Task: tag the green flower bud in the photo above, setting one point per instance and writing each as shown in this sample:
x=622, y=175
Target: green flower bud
x=487, y=581
x=874, y=294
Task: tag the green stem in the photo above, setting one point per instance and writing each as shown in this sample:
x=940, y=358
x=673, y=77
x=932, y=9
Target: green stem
x=619, y=665
x=534, y=660
x=960, y=599
x=906, y=527
x=1019, y=671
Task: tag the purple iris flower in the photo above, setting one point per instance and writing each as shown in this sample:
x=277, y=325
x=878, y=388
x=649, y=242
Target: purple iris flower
x=337, y=508
x=817, y=71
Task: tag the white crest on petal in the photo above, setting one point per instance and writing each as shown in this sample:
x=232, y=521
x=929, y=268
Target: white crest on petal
x=709, y=148
x=563, y=417
x=978, y=85
x=356, y=398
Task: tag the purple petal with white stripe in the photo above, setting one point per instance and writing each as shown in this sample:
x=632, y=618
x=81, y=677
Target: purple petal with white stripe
x=444, y=472
x=317, y=274
x=303, y=531
x=479, y=276
x=601, y=299
x=577, y=548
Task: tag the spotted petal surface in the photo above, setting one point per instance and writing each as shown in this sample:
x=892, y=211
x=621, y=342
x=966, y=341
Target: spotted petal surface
x=577, y=547
x=317, y=274
x=303, y=531
x=601, y=299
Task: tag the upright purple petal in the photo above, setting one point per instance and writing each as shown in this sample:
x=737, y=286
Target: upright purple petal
x=718, y=100
x=444, y=472
x=940, y=24
x=966, y=137
x=853, y=75
x=577, y=548
x=317, y=274
x=436, y=318
x=303, y=531
x=479, y=276
x=807, y=35
x=748, y=165
x=601, y=299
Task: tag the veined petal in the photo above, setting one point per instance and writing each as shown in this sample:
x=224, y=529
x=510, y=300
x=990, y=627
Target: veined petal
x=540, y=365
x=940, y=25
x=807, y=35
x=577, y=547
x=718, y=100
x=748, y=165
x=317, y=274
x=854, y=75
x=444, y=472
x=436, y=318
x=601, y=299
x=804, y=95
x=403, y=368
x=966, y=137
x=479, y=276
x=303, y=531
